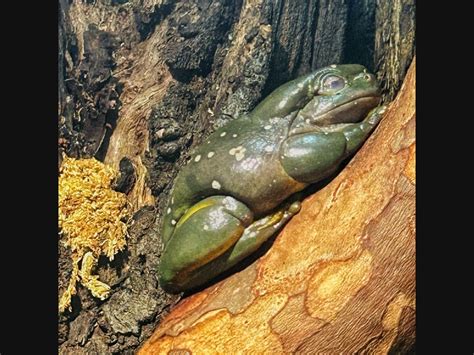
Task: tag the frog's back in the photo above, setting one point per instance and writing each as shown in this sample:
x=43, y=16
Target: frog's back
x=241, y=160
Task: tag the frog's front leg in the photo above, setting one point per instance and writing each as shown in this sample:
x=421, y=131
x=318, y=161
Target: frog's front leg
x=312, y=156
x=357, y=133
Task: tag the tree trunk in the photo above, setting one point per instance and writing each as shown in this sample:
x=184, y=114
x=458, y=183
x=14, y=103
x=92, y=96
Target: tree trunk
x=141, y=82
x=340, y=277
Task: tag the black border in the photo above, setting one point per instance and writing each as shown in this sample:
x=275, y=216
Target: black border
x=444, y=177
x=28, y=266
x=444, y=187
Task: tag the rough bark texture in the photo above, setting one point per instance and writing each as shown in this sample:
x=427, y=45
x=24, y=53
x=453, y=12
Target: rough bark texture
x=143, y=81
x=340, y=278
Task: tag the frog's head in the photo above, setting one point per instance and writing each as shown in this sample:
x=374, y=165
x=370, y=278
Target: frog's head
x=342, y=94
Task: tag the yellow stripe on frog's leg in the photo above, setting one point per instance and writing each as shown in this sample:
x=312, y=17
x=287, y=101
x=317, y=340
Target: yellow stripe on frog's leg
x=198, y=206
x=268, y=221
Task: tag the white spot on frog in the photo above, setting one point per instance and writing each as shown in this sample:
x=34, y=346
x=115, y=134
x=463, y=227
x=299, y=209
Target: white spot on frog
x=250, y=164
x=172, y=200
x=229, y=203
x=198, y=157
x=333, y=65
x=282, y=103
x=267, y=127
x=205, y=227
x=210, y=154
x=308, y=121
x=239, y=152
x=234, y=135
x=223, y=134
x=173, y=222
x=216, y=185
x=169, y=210
x=274, y=181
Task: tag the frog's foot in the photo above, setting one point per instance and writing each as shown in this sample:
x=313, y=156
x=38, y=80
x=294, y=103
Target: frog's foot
x=261, y=230
x=357, y=133
x=206, y=231
x=376, y=115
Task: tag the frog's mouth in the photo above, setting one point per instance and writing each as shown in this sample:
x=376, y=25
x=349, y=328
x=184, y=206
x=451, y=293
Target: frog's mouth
x=349, y=112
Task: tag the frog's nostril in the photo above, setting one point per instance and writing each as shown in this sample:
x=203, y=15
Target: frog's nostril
x=367, y=77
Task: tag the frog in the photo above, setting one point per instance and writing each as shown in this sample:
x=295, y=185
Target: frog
x=238, y=188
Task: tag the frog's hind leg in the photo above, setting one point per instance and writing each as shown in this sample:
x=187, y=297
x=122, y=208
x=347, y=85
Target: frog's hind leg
x=206, y=231
x=252, y=239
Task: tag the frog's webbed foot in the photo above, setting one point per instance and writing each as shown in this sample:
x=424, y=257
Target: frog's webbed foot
x=214, y=258
x=261, y=230
x=357, y=133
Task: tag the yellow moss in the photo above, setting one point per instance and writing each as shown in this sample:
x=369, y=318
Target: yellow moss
x=90, y=221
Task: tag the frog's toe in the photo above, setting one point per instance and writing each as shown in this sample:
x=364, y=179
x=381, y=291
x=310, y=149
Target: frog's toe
x=376, y=115
x=204, y=233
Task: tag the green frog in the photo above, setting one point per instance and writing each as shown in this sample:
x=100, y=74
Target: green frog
x=236, y=190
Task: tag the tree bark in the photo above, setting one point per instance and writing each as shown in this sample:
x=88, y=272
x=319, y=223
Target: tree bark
x=143, y=81
x=340, y=277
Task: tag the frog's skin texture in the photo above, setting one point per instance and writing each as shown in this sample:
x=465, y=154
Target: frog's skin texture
x=234, y=192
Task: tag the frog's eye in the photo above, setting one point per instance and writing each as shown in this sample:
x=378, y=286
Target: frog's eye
x=333, y=83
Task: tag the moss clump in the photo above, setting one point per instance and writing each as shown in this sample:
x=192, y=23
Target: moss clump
x=90, y=220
